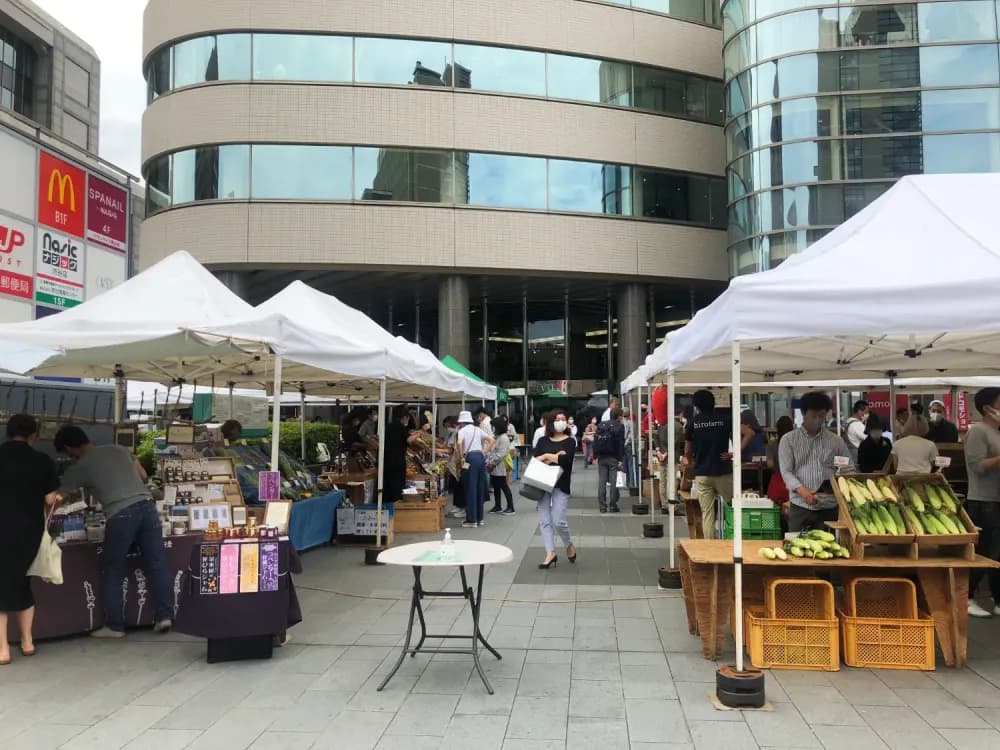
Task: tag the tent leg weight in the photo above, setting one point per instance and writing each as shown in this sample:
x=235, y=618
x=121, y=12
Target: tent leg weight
x=652, y=530
x=740, y=689
x=640, y=509
x=371, y=555
x=670, y=578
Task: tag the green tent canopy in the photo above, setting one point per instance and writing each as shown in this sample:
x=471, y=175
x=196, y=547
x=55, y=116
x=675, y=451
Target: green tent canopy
x=553, y=393
x=453, y=364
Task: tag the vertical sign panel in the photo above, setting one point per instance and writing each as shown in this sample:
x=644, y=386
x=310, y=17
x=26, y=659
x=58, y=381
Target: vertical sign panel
x=58, y=269
x=61, y=195
x=107, y=214
x=17, y=242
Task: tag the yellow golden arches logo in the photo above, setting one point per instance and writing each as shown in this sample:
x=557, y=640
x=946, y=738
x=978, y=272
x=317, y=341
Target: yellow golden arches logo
x=65, y=182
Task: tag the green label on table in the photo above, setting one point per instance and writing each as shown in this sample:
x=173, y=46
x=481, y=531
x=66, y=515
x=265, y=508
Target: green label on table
x=433, y=555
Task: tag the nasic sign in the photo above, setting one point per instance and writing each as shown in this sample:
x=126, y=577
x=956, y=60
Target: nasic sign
x=62, y=197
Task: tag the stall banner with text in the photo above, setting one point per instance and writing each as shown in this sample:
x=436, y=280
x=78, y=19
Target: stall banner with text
x=229, y=569
x=61, y=194
x=17, y=240
x=249, y=568
x=269, y=485
x=269, y=566
x=960, y=416
x=209, y=569
x=107, y=214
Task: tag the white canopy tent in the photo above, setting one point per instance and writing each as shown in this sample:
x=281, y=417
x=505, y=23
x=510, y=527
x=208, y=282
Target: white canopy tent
x=850, y=304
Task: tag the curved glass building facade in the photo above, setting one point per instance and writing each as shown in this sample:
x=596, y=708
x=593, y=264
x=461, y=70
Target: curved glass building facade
x=827, y=104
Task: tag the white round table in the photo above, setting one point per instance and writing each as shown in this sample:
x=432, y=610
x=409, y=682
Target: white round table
x=426, y=555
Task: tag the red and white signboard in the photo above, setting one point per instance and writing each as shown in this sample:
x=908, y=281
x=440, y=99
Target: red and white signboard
x=58, y=269
x=878, y=402
x=61, y=194
x=107, y=214
x=961, y=416
x=16, y=263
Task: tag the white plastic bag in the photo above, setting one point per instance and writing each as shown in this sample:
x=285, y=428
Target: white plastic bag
x=542, y=475
x=48, y=562
x=622, y=482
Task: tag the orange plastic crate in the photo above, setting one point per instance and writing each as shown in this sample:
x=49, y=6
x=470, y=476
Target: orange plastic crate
x=790, y=643
x=892, y=598
x=799, y=599
x=888, y=643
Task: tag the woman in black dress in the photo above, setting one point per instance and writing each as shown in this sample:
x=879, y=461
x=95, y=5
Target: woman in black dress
x=30, y=482
x=398, y=437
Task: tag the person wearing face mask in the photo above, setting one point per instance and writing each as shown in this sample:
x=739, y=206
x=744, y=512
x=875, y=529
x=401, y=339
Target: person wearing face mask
x=913, y=453
x=875, y=449
x=806, y=457
x=941, y=431
x=854, y=430
x=556, y=447
x=982, y=459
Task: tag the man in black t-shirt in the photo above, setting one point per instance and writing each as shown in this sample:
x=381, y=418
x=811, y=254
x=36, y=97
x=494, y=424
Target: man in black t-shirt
x=707, y=446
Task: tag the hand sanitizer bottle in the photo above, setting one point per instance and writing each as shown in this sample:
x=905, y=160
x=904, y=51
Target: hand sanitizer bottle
x=447, y=551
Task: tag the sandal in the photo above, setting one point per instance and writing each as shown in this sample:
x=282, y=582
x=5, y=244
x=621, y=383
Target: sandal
x=25, y=652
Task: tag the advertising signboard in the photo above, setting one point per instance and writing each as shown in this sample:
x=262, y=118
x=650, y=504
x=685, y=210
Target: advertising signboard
x=105, y=271
x=61, y=194
x=107, y=214
x=58, y=269
x=17, y=239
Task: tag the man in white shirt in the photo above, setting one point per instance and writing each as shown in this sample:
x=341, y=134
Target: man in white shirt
x=855, y=428
x=484, y=421
x=612, y=405
x=539, y=433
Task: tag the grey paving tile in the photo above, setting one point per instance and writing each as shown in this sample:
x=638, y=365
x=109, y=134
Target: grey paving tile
x=651, y=645
x=968, y=688
x=601, y=638
x=597, y=734
x=854, y=738
x=509, y=636
x=445, y=677
x=819, y=712
x=972, y=739
x=862, y=688
x=400, y=742
x=238, y=728
x=511, y=665
x=550, y=644
x=656, y=721
x=691, y=668
x=542, y=656
x=909, y=739
x=345, y=676
x=990, y=715
x=596, y=699
x=284, y=740
x=712, y=735
x=424, y=714
x=905, y=678
x=782, y=727
x=354, y=730
x=545, y=680
x=696, y=701
x=46, y=736
x=892, y=718
x=266, y=694
x=486, y=732
x=118, y=729
x=940, y=709
x=312, y=712
x=538, y=719
x=518, y=744
x=596, y=665
x=648, y=681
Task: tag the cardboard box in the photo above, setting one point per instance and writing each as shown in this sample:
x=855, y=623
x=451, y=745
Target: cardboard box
x=420, y=516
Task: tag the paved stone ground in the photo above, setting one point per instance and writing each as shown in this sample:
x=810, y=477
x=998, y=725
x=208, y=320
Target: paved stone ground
x=594, y=656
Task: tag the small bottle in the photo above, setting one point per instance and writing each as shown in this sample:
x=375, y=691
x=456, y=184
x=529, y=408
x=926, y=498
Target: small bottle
x=447, y=551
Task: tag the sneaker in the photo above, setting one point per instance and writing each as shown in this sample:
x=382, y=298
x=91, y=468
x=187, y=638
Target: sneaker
x=615, y=509
x=107, y=632
x=996, y=610
x=482, y=523
x=456, y=513
x=163, y=626
x=509, y=512
x=977, y=611
x=497, y=510
x=469, y=525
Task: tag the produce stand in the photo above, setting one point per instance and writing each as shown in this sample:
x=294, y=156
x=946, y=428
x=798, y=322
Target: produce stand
x=707, y=573
x=312, y=521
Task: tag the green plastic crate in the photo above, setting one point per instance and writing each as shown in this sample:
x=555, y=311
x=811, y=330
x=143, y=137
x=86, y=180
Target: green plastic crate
x=758, y=523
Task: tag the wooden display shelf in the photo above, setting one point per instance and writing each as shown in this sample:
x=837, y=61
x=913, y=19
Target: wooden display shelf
x=862, y=545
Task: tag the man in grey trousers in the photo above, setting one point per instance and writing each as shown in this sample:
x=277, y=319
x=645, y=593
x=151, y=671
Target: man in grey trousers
x=609, y=447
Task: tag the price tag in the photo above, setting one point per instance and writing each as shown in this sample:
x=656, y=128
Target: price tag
x=841, y=462
x=942, y=462
x=760, y=459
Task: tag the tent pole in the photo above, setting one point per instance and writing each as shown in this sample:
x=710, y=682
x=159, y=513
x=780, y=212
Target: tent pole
x=671, y=451
x=119, y=394
x=892, y=406
x=837, y=415
x=383, y=423
x=638, y=423
x=652, y=479
x=737, y=504
x=302, y=419
x=276, y=417
x=434, y=425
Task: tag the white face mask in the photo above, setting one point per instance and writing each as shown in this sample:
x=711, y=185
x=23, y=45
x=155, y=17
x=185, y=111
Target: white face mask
x=559, y=425
x=936, y=416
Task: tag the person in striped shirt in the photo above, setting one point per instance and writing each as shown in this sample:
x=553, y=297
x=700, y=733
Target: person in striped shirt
x=806, y=456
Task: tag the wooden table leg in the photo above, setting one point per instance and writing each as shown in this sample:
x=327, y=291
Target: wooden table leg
x=684, y=562
x=712, y=588
x=947, y=594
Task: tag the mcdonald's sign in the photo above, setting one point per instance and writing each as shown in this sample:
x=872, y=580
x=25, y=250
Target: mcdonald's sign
x=62, y=200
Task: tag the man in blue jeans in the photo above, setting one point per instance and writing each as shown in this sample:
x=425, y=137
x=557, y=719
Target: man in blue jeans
x=116, y=480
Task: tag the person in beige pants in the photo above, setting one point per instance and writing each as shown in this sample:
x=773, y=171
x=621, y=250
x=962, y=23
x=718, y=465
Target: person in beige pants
x=706, y=447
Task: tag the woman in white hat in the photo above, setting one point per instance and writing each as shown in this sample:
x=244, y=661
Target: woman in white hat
x=473, y=444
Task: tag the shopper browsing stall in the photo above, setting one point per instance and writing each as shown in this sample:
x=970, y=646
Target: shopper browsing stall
x=556, y=448
x=398, y=437
x=875, y=450
x=913, y=453
x=30, y=485
x=473, y=444
x=116, y=479
x=706, y=446
x=941, y=430
x=982, y=457
x=807, y=456
x=496, y=463
x=854, y=430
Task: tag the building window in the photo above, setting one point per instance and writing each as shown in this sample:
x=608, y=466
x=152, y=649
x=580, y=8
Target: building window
x=17, y=70
x=301, y=172
x=302, y=57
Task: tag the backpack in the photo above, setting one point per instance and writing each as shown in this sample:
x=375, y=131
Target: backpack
x=604, y=440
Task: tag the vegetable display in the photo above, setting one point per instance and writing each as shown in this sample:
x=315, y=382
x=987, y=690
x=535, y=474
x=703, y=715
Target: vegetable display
x=933, y=509
x=874, y=506
x=815, y=544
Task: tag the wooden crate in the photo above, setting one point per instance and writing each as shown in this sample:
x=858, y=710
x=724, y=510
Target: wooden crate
x=901, y=545
x=937, y=545
x=419, y=516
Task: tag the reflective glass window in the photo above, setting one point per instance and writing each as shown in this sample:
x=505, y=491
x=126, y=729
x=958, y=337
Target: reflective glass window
x=740, y=53
x=223, y=58
x=507, y=181
x=779, y=247
x=809, y=117
x=741, y=219
x=858, y=196
x=959, y=66
x=671, y=197
x=234, y=57
x=581, y=186
x=716, y=108
x=735, y=15
x=718, y=198
x=402, y=61
x=696, y=10
x=739, y=136
x=877, y=25
x=767, y=7
x=211, y=173
x=589, y=80
x=397, y=174
x=807, y=30
x=961, y=109
x=157, y=185
x=301, y=172
x=966, y=21
x=302, y=57
x=872, y=114
x=158, y=74
x=873, y=158
x=879, y=69
x=506, y=341
x=806, y=205
x=965, y=152
x=744, y=258
x=546, y=340
x=672, y=93
x=738, y=95
x=497, y=69
x=588, y=338
x=808, y=161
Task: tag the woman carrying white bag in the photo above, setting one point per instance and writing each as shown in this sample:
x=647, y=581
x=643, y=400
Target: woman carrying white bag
x=557, y=448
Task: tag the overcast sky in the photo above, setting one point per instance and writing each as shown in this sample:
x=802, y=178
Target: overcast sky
x=114, y=29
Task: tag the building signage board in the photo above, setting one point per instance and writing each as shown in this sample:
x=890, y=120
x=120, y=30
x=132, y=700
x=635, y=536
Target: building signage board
x=107, y=214
x=17, y=240
x=17, y=195
x=61, y=194
x=105, y=271
x=59, y=279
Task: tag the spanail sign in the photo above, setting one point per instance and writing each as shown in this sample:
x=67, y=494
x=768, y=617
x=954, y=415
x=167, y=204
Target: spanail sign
x=107, y=214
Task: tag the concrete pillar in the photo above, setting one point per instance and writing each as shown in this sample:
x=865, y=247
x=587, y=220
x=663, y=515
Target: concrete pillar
x=238, y=282
x=632, y=314
x=453, y=318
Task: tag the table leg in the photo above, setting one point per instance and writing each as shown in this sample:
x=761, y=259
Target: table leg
x=686, y=585
x=414, y=607
x=712, y=589
x=475, y=599
x=420, y=613
x=947, y=594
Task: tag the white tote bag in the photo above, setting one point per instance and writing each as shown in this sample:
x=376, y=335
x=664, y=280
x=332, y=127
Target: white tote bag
x=622, y=483
x=48, y=562
x=542, y=475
